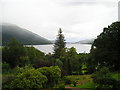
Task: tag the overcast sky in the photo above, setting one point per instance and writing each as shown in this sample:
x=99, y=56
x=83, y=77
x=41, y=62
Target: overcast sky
x=79, y=19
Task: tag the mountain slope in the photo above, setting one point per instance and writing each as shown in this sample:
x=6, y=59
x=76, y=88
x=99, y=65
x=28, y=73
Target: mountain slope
x=87, y=41
x=26, y=37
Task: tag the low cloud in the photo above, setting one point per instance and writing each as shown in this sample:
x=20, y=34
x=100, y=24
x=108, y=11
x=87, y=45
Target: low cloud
x=78, y=19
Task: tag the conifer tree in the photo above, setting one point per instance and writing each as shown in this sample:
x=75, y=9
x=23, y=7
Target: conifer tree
x=59, y=46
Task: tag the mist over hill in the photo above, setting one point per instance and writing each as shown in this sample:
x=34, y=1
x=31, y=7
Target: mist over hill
x=87, y=41
x=26, y=37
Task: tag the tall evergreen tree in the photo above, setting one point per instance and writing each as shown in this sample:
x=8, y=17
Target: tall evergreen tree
x=60, y=44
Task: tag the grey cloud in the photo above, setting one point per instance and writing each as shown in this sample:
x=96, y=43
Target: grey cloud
x=44, y=17
x=110, y=4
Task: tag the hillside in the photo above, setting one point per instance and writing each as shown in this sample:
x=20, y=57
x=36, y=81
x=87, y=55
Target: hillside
x=87, y=41
x=26, y=37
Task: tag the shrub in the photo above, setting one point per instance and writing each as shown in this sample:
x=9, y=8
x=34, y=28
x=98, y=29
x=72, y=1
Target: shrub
x=52, y=73
x=67, y=80
x=5, y=68
x=104, y=80
x=62, y=86
x=29, y=79
x=39, y=64
x=18, y=69
x=74, y=83
x=6, y=80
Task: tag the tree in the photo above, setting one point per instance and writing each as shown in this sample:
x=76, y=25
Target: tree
x=34, y=55
x=58, y=63
x=92, y=63
x=83, y=61
x=105, y=48
x=71, y=62
x=14, y=53
x=59, y=46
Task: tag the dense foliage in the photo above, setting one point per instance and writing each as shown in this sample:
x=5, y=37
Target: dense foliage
x=5, y=67
x=71, y=63
x=29, y=79
x=52, y=73
x=104, y=79
x=14, y=54
x=34, y=55
x=105, y=49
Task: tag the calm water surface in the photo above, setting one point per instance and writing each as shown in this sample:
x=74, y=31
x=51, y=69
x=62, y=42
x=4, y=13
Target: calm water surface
x=80, y=48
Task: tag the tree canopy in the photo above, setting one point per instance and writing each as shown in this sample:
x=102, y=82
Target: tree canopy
x=106, y=47
x=14, y=53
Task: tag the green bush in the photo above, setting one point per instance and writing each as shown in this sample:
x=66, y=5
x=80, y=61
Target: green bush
x=74, y=83
x=6, y=80
x=29, y=79
x=18, y=69
x=104, y=80
x=62, y=86
x=52, y=73
x=70, y=80
x=67, y=80
x=103, y=73
x=5, y=68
